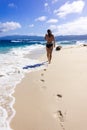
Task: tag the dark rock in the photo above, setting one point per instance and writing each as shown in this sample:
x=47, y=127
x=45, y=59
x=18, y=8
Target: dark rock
x=58, y=48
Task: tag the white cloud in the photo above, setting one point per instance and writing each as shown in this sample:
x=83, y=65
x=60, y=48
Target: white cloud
x=52, y=21
x=12, y=5
x=42, y=18
x=47, y=8
x=46, y=4
x=53, y=27
x=68, y=8
x=7, y=26
x=31, y=25
x=77, y=27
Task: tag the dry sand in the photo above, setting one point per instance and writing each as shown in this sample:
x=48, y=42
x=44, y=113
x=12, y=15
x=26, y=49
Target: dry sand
x=54, y=98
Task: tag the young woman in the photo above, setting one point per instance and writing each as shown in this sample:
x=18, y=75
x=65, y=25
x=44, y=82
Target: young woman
x=49, y=37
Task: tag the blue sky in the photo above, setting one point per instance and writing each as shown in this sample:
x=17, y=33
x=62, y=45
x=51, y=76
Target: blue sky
x=34, y=17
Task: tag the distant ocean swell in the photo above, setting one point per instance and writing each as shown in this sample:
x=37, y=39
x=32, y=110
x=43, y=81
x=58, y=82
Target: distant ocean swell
x=72, y=42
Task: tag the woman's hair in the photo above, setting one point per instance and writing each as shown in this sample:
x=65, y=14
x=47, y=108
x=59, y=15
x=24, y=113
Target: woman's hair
x=49, y=32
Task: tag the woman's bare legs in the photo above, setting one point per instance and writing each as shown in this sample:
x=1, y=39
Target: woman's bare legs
x=49, y=54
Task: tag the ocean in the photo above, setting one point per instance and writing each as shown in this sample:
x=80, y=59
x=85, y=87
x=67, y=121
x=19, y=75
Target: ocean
x=18, y=57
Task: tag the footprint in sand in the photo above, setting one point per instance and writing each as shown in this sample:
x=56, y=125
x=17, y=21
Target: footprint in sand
x=44, y=87
x=42, y=80
x=61, y=118
x=42, y=74
x=62, y=126
x=59, y=95
x=60, y=115
x=45, y=69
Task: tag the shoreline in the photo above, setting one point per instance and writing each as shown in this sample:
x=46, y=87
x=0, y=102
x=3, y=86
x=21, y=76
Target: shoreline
x=52, y=98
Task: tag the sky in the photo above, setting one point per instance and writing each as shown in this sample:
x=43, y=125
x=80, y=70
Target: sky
x=34, y=17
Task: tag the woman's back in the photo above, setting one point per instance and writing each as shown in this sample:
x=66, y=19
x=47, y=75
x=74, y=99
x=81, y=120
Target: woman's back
x=50, y=38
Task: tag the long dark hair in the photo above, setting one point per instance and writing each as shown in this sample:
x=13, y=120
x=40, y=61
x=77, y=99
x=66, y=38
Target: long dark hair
x=49, y=32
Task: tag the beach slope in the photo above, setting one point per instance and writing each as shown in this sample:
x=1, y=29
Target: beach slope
x=54, y=98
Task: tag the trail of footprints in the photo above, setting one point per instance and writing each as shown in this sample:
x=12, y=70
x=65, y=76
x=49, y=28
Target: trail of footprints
x=42, y=80
x=60, y=115
x=59, y=112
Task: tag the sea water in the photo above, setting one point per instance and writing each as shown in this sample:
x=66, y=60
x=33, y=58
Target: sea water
x=14, y=56
x=18, y=57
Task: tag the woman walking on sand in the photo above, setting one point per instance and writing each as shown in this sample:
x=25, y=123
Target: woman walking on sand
x=49, y=37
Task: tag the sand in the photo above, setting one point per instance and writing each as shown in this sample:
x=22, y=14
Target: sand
x=54, y=98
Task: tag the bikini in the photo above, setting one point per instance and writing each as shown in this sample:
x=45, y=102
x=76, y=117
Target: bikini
x=49, y=45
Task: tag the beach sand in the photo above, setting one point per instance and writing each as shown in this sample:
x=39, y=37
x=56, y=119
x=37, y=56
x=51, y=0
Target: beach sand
x=54, y=98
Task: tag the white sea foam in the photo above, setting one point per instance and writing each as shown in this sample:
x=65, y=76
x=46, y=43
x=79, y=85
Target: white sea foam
x=11, y=73
x=72, y=44
x=81, y=42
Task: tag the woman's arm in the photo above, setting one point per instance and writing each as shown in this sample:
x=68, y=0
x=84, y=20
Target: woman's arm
x=45, y=37
x=54, y=40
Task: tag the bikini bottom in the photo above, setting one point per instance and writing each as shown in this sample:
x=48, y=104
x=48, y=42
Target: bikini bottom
x=49, y=45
